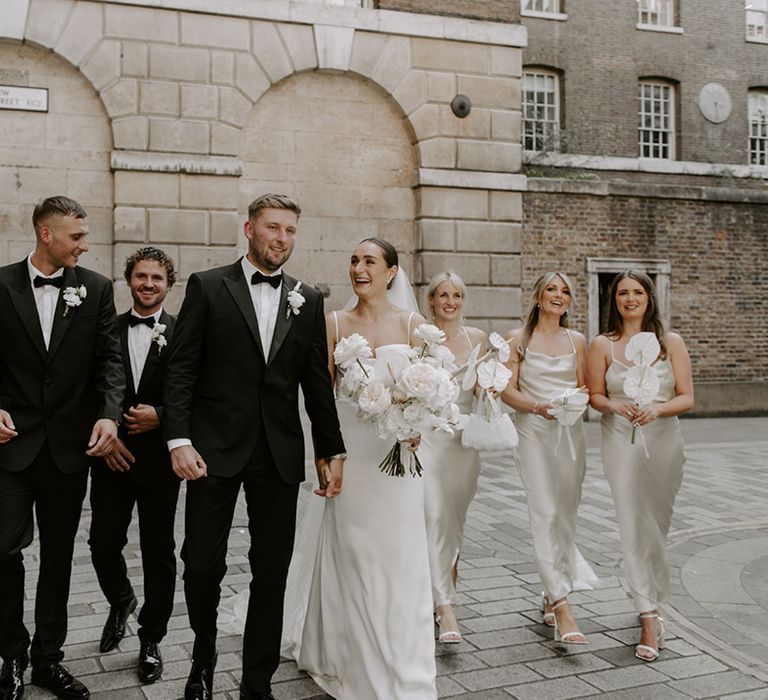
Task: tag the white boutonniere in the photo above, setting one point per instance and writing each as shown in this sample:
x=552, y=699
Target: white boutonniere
x=295, y=301
x=158, y=336
x=73, y=297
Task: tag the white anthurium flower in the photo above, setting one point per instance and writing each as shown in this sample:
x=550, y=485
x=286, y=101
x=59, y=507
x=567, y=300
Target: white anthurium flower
x=350, y=350
x=470, y=376
x=643, y=349
x=641, y=384
x=430, y=334
x=492, y=374
x=500, y=345
x=567, y=408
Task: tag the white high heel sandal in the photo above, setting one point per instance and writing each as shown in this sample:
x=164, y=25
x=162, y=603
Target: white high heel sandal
x=651, y=653
x=574, y=637
x=548, y=617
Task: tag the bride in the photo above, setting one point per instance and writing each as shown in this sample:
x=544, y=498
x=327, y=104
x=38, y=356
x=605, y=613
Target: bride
x=358, y=602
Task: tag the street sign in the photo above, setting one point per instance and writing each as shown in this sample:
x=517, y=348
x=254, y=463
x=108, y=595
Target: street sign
x=23, y=98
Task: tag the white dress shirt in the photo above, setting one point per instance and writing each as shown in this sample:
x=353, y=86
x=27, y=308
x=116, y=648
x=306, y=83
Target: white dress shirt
x=266, y=304
x=139, y=344
x=46, y=298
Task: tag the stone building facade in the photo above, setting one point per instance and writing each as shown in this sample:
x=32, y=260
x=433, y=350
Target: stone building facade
x=166, y=117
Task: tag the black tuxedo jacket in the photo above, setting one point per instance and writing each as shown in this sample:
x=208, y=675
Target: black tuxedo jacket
x=57, y=394
x=153, y=461
x=222, y=386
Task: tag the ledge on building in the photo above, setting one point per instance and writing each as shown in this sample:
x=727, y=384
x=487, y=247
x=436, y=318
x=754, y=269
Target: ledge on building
x=155, y=162
x=471, y=179
x=557, y=16
x=658, y=28
x=645, y=165
x=756, y=40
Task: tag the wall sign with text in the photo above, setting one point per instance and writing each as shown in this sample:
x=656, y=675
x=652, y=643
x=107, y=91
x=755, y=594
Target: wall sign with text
x=24, y=98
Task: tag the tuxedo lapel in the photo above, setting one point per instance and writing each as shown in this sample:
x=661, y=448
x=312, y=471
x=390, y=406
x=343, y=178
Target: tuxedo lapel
x=23, y=300
x=122, y=331
x=62, y=321
x=153, y=358
x=284, y=318
x=238, y=287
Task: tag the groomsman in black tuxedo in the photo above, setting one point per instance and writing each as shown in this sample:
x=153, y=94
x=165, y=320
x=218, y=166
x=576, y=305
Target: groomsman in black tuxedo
x=138, y=471
x=248, y=337
x=61, y=389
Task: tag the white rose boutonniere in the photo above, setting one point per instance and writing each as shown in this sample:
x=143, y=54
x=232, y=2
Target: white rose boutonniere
x=158, y=336
x=295, y=301
x=73, y=297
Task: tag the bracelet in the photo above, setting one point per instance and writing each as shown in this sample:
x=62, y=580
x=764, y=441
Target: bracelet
x=535, y=408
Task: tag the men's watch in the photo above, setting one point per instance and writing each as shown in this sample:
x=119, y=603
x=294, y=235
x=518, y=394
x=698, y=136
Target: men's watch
x=342, y=456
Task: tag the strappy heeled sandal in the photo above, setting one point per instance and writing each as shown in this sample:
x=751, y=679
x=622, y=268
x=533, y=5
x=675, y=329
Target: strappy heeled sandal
x=575, y=637
x=547, y=617
x=449, y=636
x=651, y=654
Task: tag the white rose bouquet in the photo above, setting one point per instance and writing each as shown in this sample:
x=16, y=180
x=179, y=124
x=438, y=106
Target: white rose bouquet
x=402, y=394
x=488, y=427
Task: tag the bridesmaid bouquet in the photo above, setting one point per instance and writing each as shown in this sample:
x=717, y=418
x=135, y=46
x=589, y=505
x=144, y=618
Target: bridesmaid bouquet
x=488, y=427
x=642, y=381
x=402, y=393
x=567, y=409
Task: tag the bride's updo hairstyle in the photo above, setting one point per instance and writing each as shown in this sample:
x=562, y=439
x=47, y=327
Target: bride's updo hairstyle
x=390, y=254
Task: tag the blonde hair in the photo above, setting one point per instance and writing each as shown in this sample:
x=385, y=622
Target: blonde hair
x=532, y=318
x=447, y=276
x=272, y=201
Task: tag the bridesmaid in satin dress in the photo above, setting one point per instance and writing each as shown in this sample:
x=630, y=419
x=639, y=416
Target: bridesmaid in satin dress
x=547, y=358
x=644, y=487
x=451, y=471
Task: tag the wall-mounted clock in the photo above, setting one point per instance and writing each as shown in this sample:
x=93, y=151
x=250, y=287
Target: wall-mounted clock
x=715, y=103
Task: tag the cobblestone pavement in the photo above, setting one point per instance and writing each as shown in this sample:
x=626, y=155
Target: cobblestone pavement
x=716, y=619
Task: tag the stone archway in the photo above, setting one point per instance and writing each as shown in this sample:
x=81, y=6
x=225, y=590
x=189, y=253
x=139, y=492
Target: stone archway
x=63, y=151
x=343, y=150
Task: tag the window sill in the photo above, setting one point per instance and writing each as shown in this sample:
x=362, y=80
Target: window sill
x=557, y=16
x=756, y=40
x=659, y=28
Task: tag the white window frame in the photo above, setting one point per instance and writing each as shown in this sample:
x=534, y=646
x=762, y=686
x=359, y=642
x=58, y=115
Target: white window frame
x=548, y=128
x=756, y=15
x=544, y=9
x=757, y=109
x=656, y=128
x=657, y=16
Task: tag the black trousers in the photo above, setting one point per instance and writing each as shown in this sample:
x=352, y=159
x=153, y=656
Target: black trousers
x=113, y=496
x=56, y=499
x=210, y=507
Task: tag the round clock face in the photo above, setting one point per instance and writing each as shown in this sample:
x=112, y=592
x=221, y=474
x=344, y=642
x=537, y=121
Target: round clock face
x=715, y=103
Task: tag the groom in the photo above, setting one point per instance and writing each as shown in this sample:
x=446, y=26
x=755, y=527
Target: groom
x=248, y=336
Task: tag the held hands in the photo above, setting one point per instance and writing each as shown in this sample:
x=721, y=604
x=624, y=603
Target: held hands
x=187, y=463
x=103, y=438
x=7, y=428
x=118, y=460
x=413, y=444
x=140, y=419
x=330, y=475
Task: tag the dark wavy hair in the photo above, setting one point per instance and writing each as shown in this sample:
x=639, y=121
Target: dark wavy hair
x=652, y=323
x=151, y=253
x=390, y=253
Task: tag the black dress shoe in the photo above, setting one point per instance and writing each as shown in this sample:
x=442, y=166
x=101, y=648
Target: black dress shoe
x=257, y=696
x=200, y=682
x=150, y=664
x=12, y=677
x=60, y=682
x=114, y=627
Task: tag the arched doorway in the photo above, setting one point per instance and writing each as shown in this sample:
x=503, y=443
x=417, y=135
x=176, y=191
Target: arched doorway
x=63, y=151
x=342, y=149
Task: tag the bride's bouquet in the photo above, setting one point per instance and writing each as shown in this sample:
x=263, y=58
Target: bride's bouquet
x=488, y=427
x=403, y=393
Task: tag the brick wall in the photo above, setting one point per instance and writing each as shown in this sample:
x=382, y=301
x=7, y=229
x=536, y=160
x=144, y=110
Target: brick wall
x=717, y=250
x=602, y=55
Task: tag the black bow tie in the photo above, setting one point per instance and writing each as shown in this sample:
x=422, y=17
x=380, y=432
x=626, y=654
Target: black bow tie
x=53, y=281
x=148, y=321
x=274, y=280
